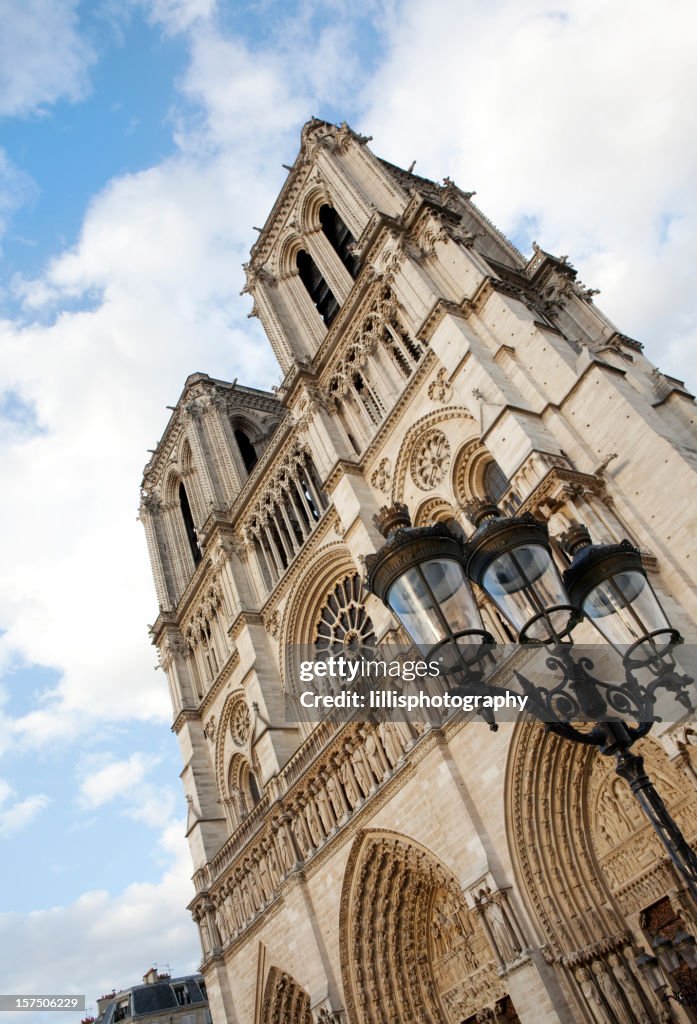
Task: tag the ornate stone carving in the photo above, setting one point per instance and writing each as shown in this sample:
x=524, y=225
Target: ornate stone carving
x=343, y=625
x=273, y=624
x=240, y=722
x=440, y=389
x=429, y=459
x=425, y=946
x=382, y=475
x=607, y=853
x=284, y=1000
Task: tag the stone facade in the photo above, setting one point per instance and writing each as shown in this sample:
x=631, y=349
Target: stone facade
x=371, y=873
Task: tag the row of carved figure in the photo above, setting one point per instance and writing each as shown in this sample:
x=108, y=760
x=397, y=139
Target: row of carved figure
x=353, y=767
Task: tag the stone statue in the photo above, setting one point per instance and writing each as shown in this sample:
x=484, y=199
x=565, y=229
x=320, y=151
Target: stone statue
x=612, y=996
x=628, y=986
x=349, y=782
x=592, y=997
x=373, y=752
x=506, y=942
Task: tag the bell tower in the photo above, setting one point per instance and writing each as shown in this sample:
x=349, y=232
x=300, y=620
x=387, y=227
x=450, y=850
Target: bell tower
x=427, y=362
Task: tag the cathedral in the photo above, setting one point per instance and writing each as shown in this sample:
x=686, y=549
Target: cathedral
x=364, y=871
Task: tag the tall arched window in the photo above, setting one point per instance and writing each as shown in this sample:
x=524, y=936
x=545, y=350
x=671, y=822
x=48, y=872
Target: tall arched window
x=189, y=524
x=496, y=483
x=249, y=455
x=318, y=289
x=340, y=238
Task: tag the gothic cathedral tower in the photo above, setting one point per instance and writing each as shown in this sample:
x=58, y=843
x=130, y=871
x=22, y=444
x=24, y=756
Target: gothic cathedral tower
x=388, y=873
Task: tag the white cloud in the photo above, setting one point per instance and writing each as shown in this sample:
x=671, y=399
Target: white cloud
x=106, y=780
x=115, y=779
x=43, y=56
x=16, y=815
x=179, y=15
x=579, y=117
x=158, y=264
x=104, y=941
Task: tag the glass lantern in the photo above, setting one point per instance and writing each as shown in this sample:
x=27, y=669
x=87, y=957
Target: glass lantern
x=420, y=574
x=609, y=584
x=510, y=558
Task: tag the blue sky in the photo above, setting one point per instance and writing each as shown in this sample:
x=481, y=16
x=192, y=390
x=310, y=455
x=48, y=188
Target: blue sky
x=140, y=141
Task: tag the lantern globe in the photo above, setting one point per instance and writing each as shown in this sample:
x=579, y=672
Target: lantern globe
x=420, y=574
x=511, y=559
x=608, y=583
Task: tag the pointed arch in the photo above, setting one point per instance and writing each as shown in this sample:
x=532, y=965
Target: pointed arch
x=316, y=286
x=285, y=1001
x=232, y=749
x=477, y=474
x=411, y=949
x=588, y=863
x=339, y=237
x=402, y=490
x=331, y=566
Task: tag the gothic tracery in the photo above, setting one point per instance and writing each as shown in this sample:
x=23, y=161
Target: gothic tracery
x=344, y=626
x=285, y=1002
x=412, y=949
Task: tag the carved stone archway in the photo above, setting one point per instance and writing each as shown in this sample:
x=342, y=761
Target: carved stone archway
x=285, y=1001
x=588, y=863
x=411, y=950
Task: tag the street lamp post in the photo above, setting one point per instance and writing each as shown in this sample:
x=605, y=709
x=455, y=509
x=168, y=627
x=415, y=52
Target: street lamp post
x=424, y=575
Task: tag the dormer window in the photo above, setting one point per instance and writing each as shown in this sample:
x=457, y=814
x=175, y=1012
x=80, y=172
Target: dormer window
x=317, y=288
x=247, y=451
x=181, y=994
x=340, y=238
x=121, y=1010
x=189, y=524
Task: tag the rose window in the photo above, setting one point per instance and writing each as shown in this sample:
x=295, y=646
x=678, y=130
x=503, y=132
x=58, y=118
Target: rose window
x=430, y=460
x=240, y=723
x=344, y=626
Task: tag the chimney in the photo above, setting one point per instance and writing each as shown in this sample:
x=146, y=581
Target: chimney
x=151, y=976
x=104, y=1001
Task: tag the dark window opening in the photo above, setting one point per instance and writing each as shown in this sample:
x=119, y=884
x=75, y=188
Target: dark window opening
x=662, y=919
x=121, y=1012
x=202, y=986
x=189, y=524
x=301, y=508
x=293, y=519
x=249, y=455
x=496, y=483
x=182, y=996
x=411, y=347
x=339, y=237
x=279, y=546
x=317, y=288
x=309, y=499
x=367, y=398
x=254, y=789
x=398, y=356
